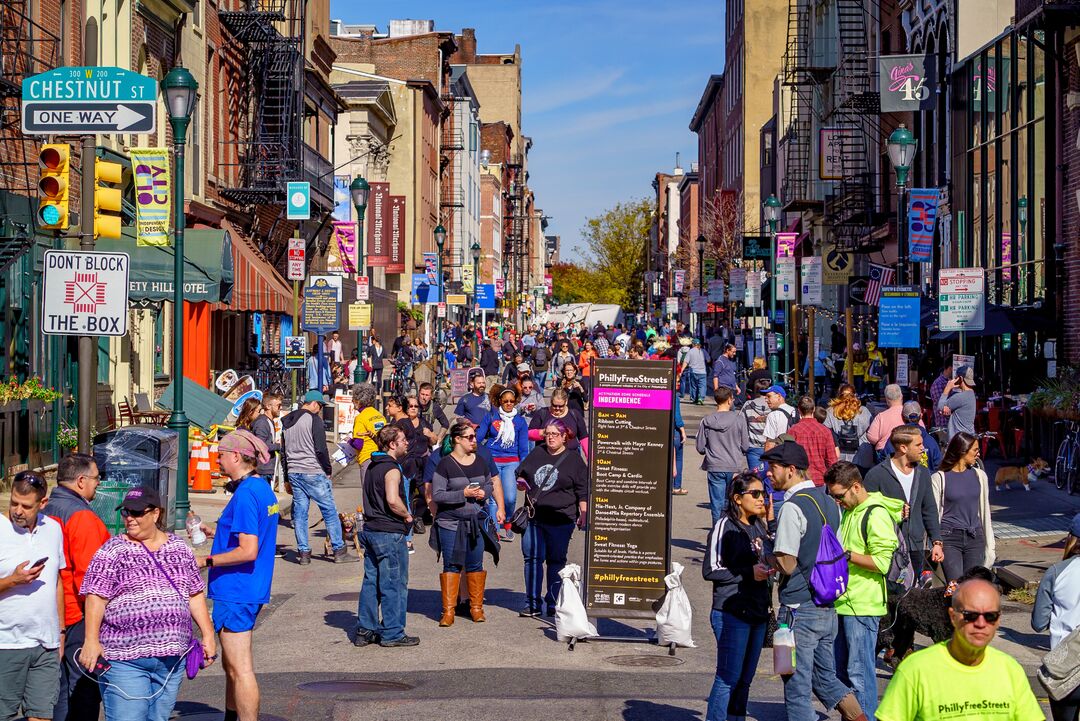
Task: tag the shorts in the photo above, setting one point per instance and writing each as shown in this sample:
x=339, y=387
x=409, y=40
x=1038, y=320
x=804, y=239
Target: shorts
x=235, y=617
x=30, y=681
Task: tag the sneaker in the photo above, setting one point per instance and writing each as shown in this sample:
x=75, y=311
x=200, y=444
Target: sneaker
x=342, y=556
x=365, y=638
x=508, y=536
x=529, y=612
x=418, y=526
x=403, y=641
x=411, y=547
x=303, y=557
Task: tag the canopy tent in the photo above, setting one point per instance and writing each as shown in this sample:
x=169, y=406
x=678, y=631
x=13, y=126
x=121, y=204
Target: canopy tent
x=589, y=313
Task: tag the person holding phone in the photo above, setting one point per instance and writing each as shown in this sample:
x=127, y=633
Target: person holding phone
x=31, y=602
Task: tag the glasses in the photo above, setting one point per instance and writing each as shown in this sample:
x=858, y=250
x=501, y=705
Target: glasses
x=413, y=405
x=557, y=406
x=128, y=513
x=973, y=616
x=838, y=496
x=34, y=479
x=471, y=437
x=756, y=494
x=553, y=434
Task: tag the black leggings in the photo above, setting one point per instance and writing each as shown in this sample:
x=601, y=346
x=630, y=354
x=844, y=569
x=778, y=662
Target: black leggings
x=1068, y=708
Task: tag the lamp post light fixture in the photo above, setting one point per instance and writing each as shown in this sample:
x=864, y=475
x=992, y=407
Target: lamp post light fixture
x=772, y=209
x=440, y=243
x=901, y=147
x=475, y=251
x=701, y=241
x=181, y=92
x=359, y=190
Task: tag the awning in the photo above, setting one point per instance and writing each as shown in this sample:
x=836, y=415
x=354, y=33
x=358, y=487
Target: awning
x=208, y=266
x=257, y=287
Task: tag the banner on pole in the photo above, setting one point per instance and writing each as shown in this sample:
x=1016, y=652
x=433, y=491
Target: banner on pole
x=785, y=244
x=153, y=193
x=922, y=212
x=680, y=280
x=378, y=220
x=431, y=267
x=342, y=199
x=344, y=235
x=396, y=263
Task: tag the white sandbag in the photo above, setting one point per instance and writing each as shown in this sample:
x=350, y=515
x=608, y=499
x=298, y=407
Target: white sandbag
x=571, y=621
x=673, y=618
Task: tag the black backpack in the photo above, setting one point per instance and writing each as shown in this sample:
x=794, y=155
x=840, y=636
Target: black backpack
x=900, y=578
x=847, y=438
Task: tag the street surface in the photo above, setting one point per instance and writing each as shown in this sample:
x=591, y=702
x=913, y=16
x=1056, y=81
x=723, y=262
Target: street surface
x=511, y=667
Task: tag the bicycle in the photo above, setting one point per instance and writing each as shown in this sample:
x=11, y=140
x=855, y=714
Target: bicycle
x=401, y=382
x=1067, y=463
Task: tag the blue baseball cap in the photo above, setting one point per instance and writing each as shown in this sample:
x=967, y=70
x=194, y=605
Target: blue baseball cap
x=314, y=396
x=775, y=389
x=1074, y=527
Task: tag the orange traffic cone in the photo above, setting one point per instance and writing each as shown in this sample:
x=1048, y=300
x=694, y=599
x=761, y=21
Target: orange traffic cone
x=202, y=473
x=193, y=459
x=215, y=470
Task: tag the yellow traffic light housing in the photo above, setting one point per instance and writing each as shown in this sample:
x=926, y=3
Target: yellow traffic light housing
x=54, y=160
x=106, y=198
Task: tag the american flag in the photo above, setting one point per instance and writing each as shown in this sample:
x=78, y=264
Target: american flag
x=880, y=276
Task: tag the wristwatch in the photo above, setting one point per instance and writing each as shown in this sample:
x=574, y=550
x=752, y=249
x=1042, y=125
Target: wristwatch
x=847, y=555
x=209, y=561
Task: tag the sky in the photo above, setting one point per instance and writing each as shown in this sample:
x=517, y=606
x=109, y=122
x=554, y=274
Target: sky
x=608, y=89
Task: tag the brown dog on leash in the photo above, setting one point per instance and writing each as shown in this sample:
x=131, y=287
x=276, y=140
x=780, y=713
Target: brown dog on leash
x=1025, y=474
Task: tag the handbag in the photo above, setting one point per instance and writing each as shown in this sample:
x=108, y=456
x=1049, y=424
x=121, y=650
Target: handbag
x=1059, y=672
x=519, y=520
x=194, y=656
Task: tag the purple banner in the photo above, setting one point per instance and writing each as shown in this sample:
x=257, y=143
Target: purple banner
x=650, y=400
x=922, y=213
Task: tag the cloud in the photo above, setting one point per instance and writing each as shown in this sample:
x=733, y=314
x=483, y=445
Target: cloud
x=561, y=94
x=598, y=120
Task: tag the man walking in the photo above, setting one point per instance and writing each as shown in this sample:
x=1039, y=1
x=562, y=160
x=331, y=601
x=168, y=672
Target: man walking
x=724, y=370
x=723, y=440
x=31, y=602
x=883, y=424
x=431, y=411
x=781, y=415
x=816, y=440
x=77, y=479
x=263, y=428
x=540, y=358
x=937, y=389
x=958, y=403
x=474, y=405
x=387, y=520
x=932, y=456
x=489, y=363
x=307, y=466
x=756, y=412
x=903, y=477
x=696, y=363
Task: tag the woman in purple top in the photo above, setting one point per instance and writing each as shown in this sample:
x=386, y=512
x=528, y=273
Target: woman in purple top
x=143, y=590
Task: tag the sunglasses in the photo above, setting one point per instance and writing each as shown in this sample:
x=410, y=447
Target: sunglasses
x=756, y=495
x=973, y=616
x=413, y=405
x=838, y=496
x=128, y=513
x=558, y=406
x=468, y=438
x=34, y=479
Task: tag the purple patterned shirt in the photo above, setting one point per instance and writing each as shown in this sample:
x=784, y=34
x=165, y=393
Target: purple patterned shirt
x=145, y=617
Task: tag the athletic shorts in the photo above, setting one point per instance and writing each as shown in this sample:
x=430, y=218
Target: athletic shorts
x=235, y=617
x=30, y=681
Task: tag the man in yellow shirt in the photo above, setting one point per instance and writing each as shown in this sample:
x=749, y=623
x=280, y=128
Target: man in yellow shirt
x=366, y=425
x=963, y=678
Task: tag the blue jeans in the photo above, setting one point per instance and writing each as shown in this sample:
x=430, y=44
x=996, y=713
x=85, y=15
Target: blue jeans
x=815, y=662
x=718, y=483
x=127, y=686
x=753, y=460
x=541, y=378
x=676, y=482
x=697, y=386
x=308, y=487
x=544, y=543
x=856, y=658
x=738, y=646
x=385, y=585
x=684, y=385
x=508, y=477
x=474, y=554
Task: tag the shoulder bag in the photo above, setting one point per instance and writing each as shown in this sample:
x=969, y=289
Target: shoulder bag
x=1060, y=670
x=519, y=520
x=195, y=651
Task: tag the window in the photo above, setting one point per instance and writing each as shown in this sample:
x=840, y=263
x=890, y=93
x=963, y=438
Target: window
x=159, y=342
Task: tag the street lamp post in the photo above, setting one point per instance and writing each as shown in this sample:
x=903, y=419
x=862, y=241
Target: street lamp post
x=475, y=250
x=1022, y=219
x=701, y=279
x=901, y=148
x=440, y=242
x=359, y=191
x=772, y=217
x=181, y=93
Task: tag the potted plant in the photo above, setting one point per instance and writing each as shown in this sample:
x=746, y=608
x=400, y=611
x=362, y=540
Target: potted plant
x=1058, y=397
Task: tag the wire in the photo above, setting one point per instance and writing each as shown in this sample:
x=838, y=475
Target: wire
x=101, y=682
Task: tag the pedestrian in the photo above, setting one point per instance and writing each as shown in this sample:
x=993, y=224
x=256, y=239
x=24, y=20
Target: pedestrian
x=319, y=377
x=962, y=496
x=849, y=420
x=531, y=400
x=307, y=466
x=250, y=409
x=32, y=600
x=376, y=360
x=459, y=488
x=601, y=344
x=859, y=362
x=489, y=363
x=143, y=590
x=741, y=595
x=725, y=369
x=332, y=347
x=697, y=363
x=562, y=356
x=401, y=343
x=77, y=479
x=512, y=370
x=902, y=477
x=869, y=540
x=816, y=440
x=241, y=564
x=678, y=441
x=387, y=522
x=958, y=402
x=937, y=389
x=963, y=677
x=262, y=426
x=1057, y=608
x=556, y=482
x=723, y=440
x=931, y=450
x=505, y=433
x=430, y=410
x=883, y=424
x=806, y=510
x=877, y=368
x=781, y=415
x=585, y=358
x=540, y=358
x=758, y=369
x=367, y=423
x=561, y=409
x=474, y=405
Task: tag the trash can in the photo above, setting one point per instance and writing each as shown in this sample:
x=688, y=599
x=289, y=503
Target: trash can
x=134, y=456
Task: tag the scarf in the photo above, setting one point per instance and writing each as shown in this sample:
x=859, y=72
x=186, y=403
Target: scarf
x=506, y=437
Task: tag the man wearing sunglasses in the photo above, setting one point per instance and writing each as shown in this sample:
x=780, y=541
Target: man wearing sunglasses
x=963, y=678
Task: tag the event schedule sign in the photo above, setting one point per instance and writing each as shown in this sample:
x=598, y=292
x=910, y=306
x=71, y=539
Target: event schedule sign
x=628, y=544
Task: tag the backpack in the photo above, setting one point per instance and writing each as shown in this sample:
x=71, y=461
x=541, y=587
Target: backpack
x=900, y=578
x=848, y=438
x=829, y=577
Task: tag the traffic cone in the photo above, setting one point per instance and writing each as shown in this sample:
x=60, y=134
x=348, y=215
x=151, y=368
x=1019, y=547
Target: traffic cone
x=193, y=459
x=202, y=472
x=215, y=469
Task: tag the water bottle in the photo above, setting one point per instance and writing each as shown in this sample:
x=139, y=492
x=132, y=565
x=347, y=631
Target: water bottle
x=358, y=520
x=783, y=652
x=195, y=533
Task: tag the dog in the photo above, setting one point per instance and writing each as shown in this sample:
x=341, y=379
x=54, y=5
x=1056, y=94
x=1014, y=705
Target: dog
x=348, y=533
x=1025, y=474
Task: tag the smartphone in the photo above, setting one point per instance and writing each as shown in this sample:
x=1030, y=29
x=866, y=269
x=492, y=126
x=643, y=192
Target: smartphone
x=474, y=485
x=100, y=667
x=39, y=563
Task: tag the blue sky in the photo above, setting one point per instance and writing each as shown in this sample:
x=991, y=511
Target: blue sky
x=609, y=88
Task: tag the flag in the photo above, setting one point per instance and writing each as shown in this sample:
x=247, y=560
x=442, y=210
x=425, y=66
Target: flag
x=880, y=276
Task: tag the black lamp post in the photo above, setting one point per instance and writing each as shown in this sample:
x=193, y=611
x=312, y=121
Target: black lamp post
x=181, y=94
x=475, y=250
x=359, y=191
x=701, y=277
x=440, y=242
x=901, y=147
x=1022, y=219
x=772, y=209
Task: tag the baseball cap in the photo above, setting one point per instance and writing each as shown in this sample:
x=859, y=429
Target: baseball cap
x=787, y=453
x=314, y=396
x=775, y=389
x=141, y=498
x=912, y=411
x=1074, y=527
x=967, y=373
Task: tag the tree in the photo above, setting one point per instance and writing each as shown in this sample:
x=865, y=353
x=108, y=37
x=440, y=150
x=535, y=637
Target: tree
x=571, y=283
x=616, y=240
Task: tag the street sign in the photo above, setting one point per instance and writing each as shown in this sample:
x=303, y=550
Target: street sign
x=811, y=280
x=961, y=295
x=898, y=317
x=442, y=310
x=716, y=291
x=82, y=100
x=295, y=351
x=299, y=201
x=756, y=247
x=359, y=316
x=784, y=283
x=295, y=270
x=320, y=307
x=363, y=288
x=455, y=299
x=485, y=296
x=86, y=293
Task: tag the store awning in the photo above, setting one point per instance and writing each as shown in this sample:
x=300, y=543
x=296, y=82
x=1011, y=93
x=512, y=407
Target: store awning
x=258, y=287
x=208, y=266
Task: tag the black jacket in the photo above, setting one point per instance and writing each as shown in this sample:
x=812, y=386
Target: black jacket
x=318, y=438
x=923, y=520
x=729, y=563
x=489, y=361
x=263, y=429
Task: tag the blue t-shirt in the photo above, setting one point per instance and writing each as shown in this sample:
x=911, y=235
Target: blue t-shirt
x=253, y=509
x=473, y=407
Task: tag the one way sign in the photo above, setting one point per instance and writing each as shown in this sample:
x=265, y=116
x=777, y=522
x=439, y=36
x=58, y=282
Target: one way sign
x=77, y=118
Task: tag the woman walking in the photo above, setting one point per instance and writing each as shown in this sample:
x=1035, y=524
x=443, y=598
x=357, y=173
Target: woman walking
x=1057, y=607
x=740, y=610
x=575, y=390
x=557, y=489
x=962, y=493
x=560, y=409
x=376, y=359
x=249, y=411
x=143, y=590
x=585, y=359
x=460, y=489
x=505, y=434
x=848, y=420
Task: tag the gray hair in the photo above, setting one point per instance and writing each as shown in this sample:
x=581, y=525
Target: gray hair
x=893, y=393
x=364, y=394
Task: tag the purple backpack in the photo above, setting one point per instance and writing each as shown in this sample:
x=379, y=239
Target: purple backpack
x=829, y=578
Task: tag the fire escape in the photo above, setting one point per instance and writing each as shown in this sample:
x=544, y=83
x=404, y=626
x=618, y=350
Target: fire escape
x=451, y=194
x=516, y=242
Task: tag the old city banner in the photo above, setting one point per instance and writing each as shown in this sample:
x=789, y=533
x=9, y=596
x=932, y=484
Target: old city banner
x=150, y=168
x=343, y=249
x=922, y=214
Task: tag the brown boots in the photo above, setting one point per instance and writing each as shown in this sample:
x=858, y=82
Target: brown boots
x=450, y=583
x=476, y=581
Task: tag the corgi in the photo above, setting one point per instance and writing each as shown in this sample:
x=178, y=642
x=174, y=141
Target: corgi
x=1025, y=474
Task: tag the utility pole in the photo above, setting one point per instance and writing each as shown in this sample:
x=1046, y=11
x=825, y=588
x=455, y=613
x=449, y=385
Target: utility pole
x=87, y=344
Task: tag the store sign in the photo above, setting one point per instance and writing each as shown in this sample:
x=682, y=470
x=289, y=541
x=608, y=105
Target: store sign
x=898, y=317
x=987, y=85
x=833, y=145
x=628, y=544
x=961, y=299
x=299, y=197
x=755, y=247
x=908, y=83
x=837, y=265
x=784, y=279
x=811, y=280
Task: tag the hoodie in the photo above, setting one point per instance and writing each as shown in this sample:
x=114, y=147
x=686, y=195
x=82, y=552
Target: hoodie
x=303, y=434
x=866, y=593
x=723, y=439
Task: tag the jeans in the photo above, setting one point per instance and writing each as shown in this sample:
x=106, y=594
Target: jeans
x=385, y=585
x=815, y=662
x=718, y=483
x=697, y=386
x=544, y=543
x=738, y=646
x=127, y=687
x=753, y=460
x=541, y=378
x=684, y=385
x=508, y=477
x=856, y=658
x=676, y=482
x=308, y=487
x=80, y=699
x=963, y=550
x=474, y=554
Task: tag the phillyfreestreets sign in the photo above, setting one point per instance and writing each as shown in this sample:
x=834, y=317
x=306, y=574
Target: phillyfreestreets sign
x=80, y=100
x=86, y=293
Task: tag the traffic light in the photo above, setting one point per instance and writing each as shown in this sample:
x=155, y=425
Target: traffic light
x=106, y=198
x=55, y=163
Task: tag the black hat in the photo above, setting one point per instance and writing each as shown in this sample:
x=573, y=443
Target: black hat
x=140, y=498
x=788, y=453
